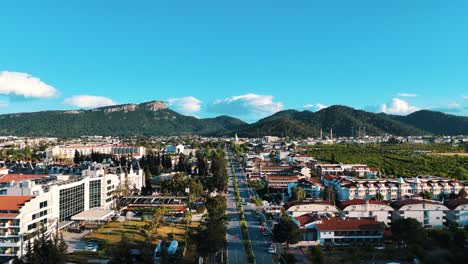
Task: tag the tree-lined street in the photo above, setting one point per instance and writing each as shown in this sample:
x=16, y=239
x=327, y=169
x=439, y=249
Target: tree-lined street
x=260, y=242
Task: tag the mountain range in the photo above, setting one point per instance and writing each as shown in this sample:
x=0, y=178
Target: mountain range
x=155, y=118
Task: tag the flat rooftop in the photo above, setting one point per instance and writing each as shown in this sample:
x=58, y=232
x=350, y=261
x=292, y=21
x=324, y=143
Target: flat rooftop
x=93, y=215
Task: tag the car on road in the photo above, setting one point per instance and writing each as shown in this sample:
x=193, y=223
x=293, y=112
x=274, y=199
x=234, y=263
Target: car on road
x=272, y=249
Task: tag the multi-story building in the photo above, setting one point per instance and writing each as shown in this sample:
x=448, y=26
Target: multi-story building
x=68, y=151
x=428, y=213
x=359, y=208
x=458, y=213
x=19, y=217
x=360, y=170
x=320, y=230
x=313, y=207
x=349, y=188
x=341, y=231
x=52, y=200
x=313, y=187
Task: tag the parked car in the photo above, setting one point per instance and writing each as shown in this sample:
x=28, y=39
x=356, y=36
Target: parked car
x=272, y=249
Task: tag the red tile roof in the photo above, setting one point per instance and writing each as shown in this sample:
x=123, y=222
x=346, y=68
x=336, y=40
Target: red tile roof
x=330, y=177
x=452, y=204
x=20, y=177
x=307, y=219
x=401, y=203
x=348, y=224
x=8, y=215
x=347, y=203
x=13, y=203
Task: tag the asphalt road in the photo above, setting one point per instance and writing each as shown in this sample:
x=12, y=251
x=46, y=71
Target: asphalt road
x=235, y=248
x=260, y=243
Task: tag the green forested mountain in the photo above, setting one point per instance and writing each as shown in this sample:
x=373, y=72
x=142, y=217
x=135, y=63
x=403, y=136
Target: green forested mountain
x=436, y=122
x=154, y=118
x=346, y=121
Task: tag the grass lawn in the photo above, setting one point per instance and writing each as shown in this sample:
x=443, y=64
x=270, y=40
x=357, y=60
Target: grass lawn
x=112, y=232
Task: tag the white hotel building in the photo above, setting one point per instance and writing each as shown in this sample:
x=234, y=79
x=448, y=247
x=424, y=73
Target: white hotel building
x=359, y=208
x=68, y=151
x=349, y=188
x=428, y=213
x=52, y=200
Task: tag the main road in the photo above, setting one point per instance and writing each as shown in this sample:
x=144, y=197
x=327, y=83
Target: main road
x=259, y=242
x=235, y=248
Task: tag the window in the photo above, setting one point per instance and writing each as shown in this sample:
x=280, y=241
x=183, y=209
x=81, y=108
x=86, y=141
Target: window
x=32, y=226
x=42, y=204
x=71, y=202
x=95, y=194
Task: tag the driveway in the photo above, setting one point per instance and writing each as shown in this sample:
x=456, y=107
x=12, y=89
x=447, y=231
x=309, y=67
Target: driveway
x=74, y=240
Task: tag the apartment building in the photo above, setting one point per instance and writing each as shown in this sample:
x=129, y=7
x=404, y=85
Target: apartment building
x=349, y=188
x=19, y=217
x=428, y=213
x=359, y=208
x=296, y=209
x=320, y=230
x=68, y=151
x=458, y=213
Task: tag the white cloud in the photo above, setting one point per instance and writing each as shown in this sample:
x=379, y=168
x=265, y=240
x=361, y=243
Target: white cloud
x=249, y=106
x=398, y=107
x=186, y=105
x=25, y=85
x=308, y=105
x=465, y=97
x=3, y=103
x=407, y=94
x=320, y=106
x=88, y=101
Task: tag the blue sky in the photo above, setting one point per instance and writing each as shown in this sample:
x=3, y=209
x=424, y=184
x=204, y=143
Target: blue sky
x=242, y=58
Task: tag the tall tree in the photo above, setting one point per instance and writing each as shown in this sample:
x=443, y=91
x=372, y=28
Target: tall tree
x=286, y=231
x=77, y=157
x=298, y=194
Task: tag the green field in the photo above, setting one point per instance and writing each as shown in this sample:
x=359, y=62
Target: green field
x=405, y=160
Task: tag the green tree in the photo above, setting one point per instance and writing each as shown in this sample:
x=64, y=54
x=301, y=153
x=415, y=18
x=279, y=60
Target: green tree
x=460, y=173
x=286, y=231
x=121, y=252
x=45, y=249
x=329, y=194
x=379, y=197
x=298, y=193
x=408, y=230
x=317, y=255
x=211, y=236
x=77, y=157
x=427, y=195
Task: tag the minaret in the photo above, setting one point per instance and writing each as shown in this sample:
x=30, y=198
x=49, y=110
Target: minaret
x=321, y=133
x=331, y=134
x=236, y=139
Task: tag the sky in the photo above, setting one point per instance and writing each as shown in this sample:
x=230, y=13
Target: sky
x=247, y=59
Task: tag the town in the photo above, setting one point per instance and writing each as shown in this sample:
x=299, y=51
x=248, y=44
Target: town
x=234, y=132
x=217, y=200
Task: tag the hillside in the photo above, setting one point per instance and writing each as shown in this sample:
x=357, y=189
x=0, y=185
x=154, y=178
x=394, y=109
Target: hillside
x=155, y=118
x=346, y=121
x=152, y=118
